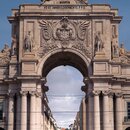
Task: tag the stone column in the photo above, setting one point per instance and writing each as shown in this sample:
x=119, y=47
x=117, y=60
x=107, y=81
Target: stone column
x=90, y=111
x=85, y=107
x=84, y=115
x=18, y=112
x=96, y=110
x=23, y=110
x=111, y=107
x=10, y=111
x=106, y=123
x=118, y=111
x=39, y=120
x=32, y=110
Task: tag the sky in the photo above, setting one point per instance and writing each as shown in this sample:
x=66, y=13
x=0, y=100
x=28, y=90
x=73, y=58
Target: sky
x=65, y=82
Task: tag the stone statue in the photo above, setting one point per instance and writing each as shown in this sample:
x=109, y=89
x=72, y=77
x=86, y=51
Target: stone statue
x=5, y=55
x=28, y=42
x=6, y=50
x=98, y=43
x=115, y=48
x=122, y=50
x=14, y=45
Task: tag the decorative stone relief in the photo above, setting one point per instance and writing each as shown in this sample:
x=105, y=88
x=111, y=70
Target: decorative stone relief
x=82, y=30
x=5, y=55
x=65, y=33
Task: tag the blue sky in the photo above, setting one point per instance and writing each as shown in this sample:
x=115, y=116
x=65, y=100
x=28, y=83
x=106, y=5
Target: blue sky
x=7, y=5
x=57, y=77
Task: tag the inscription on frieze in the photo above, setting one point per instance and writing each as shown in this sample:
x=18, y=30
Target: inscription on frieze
x=65, y=33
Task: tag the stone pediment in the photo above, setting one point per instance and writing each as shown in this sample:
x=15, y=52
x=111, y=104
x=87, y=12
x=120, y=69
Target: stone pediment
x=64, y=2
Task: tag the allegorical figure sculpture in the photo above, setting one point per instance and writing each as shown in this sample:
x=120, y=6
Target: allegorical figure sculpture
x=14, y=45
x=122, y=50
x=115, y=47
x=28, y=42
x=6, y=50
x=98, y=43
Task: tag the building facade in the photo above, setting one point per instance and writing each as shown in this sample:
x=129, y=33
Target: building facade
x=64, y=32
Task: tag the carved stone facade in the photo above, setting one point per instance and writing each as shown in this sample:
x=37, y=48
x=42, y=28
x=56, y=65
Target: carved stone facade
x=70, y=32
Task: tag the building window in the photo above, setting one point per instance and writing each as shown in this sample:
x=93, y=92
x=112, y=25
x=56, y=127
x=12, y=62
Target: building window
x=1, y=110
x=128, y=110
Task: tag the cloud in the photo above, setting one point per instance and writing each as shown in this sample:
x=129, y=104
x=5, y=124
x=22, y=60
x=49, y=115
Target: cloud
x=64, y=93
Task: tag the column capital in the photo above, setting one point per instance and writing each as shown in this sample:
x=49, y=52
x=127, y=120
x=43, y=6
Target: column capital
x=96, y=92
x=39, y=94
x=32, y=93
x=119, y=94
x=11, y=94
x=111, y=94
x=106, y=92
x=23, y=93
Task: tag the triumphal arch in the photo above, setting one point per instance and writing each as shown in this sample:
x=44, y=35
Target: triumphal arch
x=64, y=32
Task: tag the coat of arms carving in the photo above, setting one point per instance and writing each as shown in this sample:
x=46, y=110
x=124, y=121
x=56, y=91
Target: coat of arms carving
x=65, y=33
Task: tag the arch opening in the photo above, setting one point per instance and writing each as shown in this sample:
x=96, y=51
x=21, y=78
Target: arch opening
x=65, y=58
x=76, y=63
x=65, y=94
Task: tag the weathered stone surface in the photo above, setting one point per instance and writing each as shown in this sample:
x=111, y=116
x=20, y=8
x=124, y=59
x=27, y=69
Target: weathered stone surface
x=66, y=32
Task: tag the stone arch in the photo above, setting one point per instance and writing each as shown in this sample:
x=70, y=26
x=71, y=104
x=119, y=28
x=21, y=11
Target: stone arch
x=67, y=57
x=127, y=128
